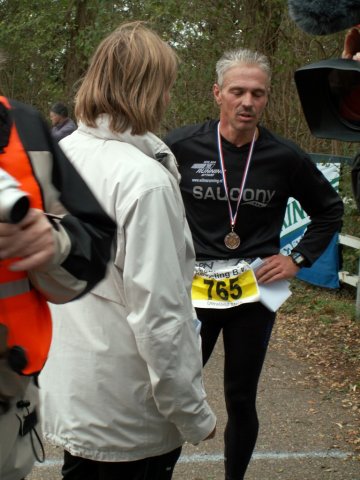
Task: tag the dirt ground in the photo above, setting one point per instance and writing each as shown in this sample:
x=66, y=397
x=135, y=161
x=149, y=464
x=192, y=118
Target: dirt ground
x=309, y=428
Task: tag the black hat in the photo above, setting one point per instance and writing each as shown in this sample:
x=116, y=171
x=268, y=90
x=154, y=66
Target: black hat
x=60, y=109
x=326, y=89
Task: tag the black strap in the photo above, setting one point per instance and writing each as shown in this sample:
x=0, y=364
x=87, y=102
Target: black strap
x=27, y=427
x=5, y=127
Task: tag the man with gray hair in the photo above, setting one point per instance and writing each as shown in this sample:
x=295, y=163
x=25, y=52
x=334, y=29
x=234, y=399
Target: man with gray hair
x=237, y=177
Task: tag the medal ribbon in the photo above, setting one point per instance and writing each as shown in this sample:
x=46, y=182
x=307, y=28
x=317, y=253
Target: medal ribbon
x=233, y=216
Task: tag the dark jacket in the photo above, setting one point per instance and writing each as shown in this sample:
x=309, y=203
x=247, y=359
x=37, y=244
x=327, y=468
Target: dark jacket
x=63, y=130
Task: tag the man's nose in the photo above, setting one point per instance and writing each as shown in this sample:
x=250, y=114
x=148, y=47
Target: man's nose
x=247, y=99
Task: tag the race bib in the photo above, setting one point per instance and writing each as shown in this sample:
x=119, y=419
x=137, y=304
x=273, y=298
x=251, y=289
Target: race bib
x=224, y=287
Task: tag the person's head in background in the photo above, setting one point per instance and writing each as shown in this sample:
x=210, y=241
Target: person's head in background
x=129, y=79
x=59, y=113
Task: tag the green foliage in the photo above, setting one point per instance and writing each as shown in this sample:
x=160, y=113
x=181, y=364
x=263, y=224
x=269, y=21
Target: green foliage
x=48, y=44
x=351, y=222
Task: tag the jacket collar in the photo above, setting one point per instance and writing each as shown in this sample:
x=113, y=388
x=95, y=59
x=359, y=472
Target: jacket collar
x=149, y=144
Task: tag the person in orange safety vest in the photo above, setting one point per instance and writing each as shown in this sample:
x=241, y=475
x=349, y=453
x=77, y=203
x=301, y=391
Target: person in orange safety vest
x=55, y=243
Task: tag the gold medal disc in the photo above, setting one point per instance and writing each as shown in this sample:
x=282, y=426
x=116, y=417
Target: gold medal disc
x=232, y=240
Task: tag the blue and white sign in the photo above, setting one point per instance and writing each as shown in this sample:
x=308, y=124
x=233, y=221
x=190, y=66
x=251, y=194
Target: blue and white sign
x=324, y=272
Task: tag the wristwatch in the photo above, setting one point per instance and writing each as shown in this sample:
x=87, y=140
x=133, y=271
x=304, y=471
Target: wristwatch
x=298, y=259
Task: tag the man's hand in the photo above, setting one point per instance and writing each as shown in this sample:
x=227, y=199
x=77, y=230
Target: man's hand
x=276, y=267
x=352, y=45
x=32, y=240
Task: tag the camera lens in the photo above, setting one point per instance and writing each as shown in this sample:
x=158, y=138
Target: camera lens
x=14, y=205
x=19, y=209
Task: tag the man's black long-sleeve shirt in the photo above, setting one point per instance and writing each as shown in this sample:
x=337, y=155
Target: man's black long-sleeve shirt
x=279, y=170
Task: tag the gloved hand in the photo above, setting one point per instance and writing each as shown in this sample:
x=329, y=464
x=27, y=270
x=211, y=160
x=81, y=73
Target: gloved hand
x=10, y=382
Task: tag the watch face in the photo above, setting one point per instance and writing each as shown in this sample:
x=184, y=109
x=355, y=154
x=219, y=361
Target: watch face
x=297, y=258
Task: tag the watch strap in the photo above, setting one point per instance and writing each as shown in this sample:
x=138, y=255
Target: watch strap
x=298, y=258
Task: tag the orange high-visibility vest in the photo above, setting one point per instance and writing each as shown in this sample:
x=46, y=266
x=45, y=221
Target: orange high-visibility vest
x=23, y=309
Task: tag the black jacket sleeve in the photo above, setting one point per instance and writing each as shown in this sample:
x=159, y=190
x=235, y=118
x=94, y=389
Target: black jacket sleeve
x=323, y=205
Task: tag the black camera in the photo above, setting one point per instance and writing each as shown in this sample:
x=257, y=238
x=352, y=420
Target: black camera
x=329, y=93
x=14, y=203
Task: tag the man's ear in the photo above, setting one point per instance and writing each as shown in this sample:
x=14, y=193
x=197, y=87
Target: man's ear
x=268, y=96
x=217, y=93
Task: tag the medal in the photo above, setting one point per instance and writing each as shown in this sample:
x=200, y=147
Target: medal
x=232, y=239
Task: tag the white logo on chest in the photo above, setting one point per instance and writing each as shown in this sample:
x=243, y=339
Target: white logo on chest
x=256, y=197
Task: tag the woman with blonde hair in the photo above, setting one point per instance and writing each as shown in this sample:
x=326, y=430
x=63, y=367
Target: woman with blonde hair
x=122, y=389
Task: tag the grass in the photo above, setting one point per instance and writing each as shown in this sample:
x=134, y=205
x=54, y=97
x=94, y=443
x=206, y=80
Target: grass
x=326, y=303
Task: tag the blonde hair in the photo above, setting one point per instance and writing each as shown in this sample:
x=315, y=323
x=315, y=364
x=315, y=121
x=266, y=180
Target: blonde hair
x=128, y=78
